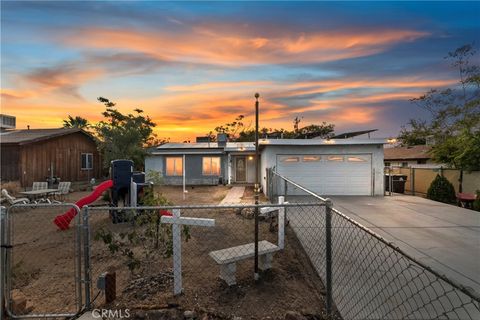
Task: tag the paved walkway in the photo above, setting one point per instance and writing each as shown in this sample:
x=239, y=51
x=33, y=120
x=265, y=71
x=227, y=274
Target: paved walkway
x=234, y=196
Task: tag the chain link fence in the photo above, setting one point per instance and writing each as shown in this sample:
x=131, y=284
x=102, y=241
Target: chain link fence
x=312, y=258
x=215, y=259
x=369, y=277
x=40, y=266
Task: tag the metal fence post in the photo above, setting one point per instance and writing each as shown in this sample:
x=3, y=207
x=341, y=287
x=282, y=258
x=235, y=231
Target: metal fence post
x=86, y=258
x=78, y=256
x=328, y=245
x=3, y=269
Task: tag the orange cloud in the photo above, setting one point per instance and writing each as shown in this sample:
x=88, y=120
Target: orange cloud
x=183, y=112
x=220, y=44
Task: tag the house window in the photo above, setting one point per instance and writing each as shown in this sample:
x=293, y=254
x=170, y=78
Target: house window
x=289, y=159
x=174, y=166
x=387, y=164
x=335, y=158
x=404, y=164
x=356, y=159
x=211, y=166
x=423, y=161
x=311, y=158
x=87, y=161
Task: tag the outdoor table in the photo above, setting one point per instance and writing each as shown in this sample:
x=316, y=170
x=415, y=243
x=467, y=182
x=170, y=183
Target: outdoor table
x=466, y=200
x=36, y=193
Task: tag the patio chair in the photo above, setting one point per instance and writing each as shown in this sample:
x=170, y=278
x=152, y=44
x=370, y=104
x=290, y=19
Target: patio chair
x=42, y=185
x=63, y=190
x=12, y=200
x=39, y=186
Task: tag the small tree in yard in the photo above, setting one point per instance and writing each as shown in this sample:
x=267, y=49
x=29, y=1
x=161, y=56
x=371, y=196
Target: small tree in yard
x=441, y=190
x=124, y=136
x=147, y=239
x=455, y=124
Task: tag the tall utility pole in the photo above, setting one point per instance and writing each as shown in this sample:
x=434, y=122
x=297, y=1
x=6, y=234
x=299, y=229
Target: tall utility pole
x=257, y=185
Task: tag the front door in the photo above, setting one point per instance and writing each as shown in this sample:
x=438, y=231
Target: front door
x=240, y=169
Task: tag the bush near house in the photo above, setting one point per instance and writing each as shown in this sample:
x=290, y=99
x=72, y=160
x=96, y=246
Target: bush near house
x=13, y=187
x=476, y=203
x=441, y=190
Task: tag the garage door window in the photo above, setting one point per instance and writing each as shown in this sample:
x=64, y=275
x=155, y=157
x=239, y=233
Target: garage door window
x=311, y=158
x=289, y=159
x=335, y=158
x=356, y=159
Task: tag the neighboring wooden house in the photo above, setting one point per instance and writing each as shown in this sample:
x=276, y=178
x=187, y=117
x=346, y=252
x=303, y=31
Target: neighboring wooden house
x=30, y=155
x=414, y=156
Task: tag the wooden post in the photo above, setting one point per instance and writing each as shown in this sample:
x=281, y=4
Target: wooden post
x=412, y=180
x=460, y=182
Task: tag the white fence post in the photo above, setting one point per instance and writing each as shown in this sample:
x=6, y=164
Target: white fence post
x=281, y=223
x=177, y=253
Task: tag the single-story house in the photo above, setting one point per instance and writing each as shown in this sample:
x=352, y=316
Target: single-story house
x=416, y=156
x=34, y=154
x=206, y=163
x=328, y=167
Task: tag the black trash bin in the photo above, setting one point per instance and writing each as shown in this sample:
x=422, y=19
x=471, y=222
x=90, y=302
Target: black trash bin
x=398, y=182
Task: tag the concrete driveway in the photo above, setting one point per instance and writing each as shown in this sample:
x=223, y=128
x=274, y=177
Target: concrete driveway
x=445, y=237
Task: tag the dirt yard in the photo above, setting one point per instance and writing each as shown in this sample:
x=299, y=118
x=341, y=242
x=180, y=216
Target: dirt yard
x=44, y=267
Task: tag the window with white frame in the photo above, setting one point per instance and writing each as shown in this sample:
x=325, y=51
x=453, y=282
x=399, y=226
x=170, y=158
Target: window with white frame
x=87, y=161
x=211, y=166
x=174, y=166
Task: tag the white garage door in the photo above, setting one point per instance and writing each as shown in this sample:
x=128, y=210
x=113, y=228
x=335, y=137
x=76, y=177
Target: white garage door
x=328, y=174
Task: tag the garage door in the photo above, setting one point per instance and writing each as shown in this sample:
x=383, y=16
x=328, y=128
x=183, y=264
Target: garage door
x=329, y=174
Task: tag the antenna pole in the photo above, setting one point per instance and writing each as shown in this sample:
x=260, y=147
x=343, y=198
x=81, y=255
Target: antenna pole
x=257, y=186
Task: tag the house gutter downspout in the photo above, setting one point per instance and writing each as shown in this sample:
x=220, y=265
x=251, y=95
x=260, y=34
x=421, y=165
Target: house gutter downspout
x=184, y=180
x=257, y=189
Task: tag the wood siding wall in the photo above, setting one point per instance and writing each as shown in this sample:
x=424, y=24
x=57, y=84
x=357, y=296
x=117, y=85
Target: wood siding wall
x=10, y=169
x=64, y=153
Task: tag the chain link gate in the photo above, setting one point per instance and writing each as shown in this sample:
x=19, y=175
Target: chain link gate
x=39, y=263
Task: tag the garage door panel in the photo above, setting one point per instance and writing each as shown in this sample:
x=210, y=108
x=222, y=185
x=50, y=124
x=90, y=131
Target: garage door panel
x=328, y=174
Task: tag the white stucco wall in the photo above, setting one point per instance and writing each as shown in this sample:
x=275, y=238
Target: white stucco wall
x=269, y=158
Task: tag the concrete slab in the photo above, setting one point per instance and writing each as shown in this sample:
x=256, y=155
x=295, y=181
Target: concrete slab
x=234, y=196
x=370, y=279
x=443, y=236
x=87, y=316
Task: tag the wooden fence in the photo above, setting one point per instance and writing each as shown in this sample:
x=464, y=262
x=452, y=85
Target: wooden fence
x=419, y=179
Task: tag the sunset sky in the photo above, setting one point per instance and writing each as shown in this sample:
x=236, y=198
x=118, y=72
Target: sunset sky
x=193, y=66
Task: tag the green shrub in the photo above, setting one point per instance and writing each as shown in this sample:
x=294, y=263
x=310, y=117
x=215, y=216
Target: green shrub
x=441, y=190
x=476, y=203
x=106, y=196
